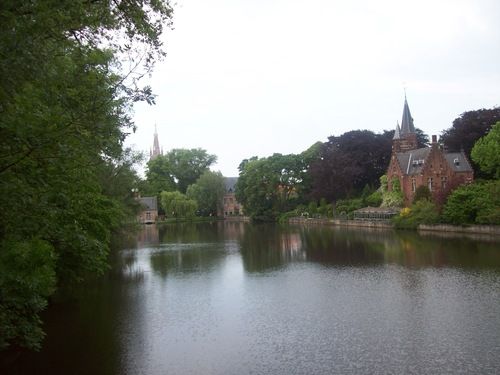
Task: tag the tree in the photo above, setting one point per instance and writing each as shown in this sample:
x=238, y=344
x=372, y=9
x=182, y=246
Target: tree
x=177, y=204
x=65, y=179
x=269, y=186
x=477, y=203
x=486, y=152
x=349, y=162
x=208, y=192
x=468, y=128
x=178, y=169
x=159, y=176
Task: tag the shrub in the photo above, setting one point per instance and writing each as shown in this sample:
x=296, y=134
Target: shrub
x=477, y=203
x=421, y=212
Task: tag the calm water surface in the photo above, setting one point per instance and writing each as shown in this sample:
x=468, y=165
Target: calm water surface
x=236, y=298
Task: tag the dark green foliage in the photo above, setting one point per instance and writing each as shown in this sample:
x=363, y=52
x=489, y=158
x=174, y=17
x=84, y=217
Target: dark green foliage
x=65, y=180
x=348, y=163
x=269, y=186
x=468, y=129
x=421, y=212
x=347, y=206
x=27, y=278
x=477, y=203
x=422, y=192
x=178, y=169
x=374, y=200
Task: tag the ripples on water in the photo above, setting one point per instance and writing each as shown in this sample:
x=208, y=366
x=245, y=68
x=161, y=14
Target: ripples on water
x=245, y=299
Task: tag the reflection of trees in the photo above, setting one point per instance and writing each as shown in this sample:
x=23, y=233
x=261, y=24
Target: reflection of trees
x=190, y=232
x=266, y=246
x=344, y=247
x=414, y=250
x=186, y=259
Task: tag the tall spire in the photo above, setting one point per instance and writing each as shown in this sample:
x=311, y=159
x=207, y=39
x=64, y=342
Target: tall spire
x=156, y=146
x=407, y=121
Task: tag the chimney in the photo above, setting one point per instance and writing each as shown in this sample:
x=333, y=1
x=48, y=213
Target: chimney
x=434, y=139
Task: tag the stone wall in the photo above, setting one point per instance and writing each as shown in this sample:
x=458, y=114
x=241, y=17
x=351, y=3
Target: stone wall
x=477, y=229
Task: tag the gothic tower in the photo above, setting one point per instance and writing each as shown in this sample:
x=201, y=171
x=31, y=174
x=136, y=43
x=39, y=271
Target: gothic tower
x=405, y=138
x=156, y=147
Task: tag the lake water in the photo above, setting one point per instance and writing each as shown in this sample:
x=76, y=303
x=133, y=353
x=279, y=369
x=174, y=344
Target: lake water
x=237, y=298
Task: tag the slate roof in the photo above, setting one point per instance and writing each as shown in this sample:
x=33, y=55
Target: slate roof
x=407, y=126
x=149, y=203
x=412, y=162
x=230, y=183
x=458, y=162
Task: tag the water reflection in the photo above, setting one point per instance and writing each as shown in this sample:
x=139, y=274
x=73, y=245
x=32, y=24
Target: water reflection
x=227, y=298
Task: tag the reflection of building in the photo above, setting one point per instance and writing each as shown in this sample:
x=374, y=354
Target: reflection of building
x=230, y=206
x=431, y=166
x=148, y=236
x=149, y=211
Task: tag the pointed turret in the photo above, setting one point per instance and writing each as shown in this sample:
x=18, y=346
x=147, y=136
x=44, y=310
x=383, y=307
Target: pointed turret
x=405, y=138
x=407, y=126
x=397, y=132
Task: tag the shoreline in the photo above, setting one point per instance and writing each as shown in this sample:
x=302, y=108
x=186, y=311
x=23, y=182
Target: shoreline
x=493, y=230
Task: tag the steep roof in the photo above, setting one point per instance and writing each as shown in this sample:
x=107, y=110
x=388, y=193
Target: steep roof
x=412, y=162
x=230, y=183
x=149, y=203
x=407, y=126
x=458, y=161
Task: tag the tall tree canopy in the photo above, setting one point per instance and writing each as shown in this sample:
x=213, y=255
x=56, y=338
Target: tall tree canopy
x=178, y=169
x=270, y=185
x=208, y=192
x=70, y=72
x=349, y=162
x=468, y=128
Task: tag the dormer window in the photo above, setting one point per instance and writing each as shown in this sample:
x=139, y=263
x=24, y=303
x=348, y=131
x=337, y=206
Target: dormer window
x=456, y=161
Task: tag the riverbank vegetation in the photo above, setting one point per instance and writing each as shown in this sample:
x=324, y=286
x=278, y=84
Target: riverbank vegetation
x=70, y=72
x=346, y=173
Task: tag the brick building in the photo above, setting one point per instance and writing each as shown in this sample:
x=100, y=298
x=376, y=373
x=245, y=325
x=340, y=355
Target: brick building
x=230, y=206
x=430, y=166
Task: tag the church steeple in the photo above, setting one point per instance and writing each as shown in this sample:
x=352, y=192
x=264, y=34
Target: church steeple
x=156, y=147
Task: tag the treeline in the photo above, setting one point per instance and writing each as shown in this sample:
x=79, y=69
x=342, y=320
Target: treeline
x=347, y=173
x=69, y=73
x=184, y=184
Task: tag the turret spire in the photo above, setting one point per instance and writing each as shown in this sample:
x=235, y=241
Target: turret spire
x=397, y=131
x=407, y=126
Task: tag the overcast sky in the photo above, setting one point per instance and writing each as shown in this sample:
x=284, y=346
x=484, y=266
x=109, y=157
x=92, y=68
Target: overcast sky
x=244, y=78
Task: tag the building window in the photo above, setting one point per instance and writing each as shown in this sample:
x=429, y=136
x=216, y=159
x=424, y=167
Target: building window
x=429, y=183
x=413, y=185
x=444, y=181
